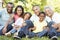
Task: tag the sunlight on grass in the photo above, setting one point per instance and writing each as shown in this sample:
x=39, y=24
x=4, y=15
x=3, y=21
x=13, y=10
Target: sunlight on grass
x=35, y=38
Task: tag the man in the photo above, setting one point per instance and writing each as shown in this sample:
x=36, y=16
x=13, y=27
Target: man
x=5, y=14
x=36, y=10
x=55, y=17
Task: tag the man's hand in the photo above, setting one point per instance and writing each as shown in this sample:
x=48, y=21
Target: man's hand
x=4, y=30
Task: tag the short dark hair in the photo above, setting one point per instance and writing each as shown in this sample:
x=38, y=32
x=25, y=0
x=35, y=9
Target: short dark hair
x=42, y=13
x=10, y=3
x=19, y=6
x=27, y=13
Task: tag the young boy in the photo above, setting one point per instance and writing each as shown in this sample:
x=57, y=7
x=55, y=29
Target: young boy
x=40, y=27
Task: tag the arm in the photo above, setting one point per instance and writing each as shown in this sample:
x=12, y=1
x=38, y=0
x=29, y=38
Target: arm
x=6, y=25
x=32, y=28
x=45, y=27
x=9, y=20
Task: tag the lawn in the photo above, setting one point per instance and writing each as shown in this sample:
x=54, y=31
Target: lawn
x=35, y=38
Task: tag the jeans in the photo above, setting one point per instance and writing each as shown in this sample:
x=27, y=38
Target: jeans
x=58, y=33
x=14, y=30
x=24, y=30
x=52, y=31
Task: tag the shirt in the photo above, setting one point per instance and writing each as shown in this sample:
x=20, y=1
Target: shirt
x=39, y=26
x=34, y=18
x=19, y=21
x=16, y=17
x=55, y=18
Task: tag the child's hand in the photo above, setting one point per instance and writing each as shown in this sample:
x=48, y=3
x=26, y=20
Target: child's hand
x=30, y=29
x=24, y=24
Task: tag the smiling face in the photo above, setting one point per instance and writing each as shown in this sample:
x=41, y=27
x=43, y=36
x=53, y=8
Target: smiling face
x=48, y=12
x=9, y=8
x=42, y=16
x=19, y=11
x=36, y=10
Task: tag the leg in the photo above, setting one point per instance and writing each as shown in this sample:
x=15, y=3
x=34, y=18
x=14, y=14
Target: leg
x=44, y=32
x=58, y=33
x=13, y=31
x=1, y=32
x=9, y=27
x=52, y=33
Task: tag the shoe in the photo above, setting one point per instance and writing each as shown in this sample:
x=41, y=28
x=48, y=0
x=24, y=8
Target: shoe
x=16, y=37
x=8, y=34
x=54, y=38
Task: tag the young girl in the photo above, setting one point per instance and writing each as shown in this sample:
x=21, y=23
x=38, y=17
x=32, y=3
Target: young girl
x=19, y=23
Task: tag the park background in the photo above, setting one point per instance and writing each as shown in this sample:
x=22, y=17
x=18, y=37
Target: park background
x=27, y=4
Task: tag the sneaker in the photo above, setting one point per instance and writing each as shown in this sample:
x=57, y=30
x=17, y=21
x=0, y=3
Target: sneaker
x=54, y=38
x=16, y=37
x=8, y=34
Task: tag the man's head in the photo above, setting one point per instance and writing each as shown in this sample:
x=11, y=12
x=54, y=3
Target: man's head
x=9, y=7
x=36, y=9
x=48, y=10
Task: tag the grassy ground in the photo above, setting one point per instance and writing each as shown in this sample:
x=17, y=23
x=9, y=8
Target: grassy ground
x=35, y=38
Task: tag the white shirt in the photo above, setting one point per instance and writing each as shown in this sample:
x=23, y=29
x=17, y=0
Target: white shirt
x=55, y=18
x=34, y=18
x=19, y=22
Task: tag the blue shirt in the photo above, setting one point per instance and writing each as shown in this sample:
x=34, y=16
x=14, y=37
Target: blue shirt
x=4, y=16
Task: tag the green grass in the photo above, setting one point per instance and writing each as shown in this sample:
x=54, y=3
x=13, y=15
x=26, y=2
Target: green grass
x=35, y=38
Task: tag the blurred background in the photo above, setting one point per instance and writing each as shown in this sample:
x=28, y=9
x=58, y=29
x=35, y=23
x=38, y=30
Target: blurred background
x=27, y=4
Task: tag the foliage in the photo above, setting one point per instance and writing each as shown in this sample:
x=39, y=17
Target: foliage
x=27, y=4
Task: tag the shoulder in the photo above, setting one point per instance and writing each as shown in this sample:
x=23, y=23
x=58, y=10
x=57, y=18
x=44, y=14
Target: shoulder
x=2, y=10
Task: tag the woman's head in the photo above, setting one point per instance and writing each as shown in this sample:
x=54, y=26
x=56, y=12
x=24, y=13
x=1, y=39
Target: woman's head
x=27, y=15
x=19, y=10
x=42, y=16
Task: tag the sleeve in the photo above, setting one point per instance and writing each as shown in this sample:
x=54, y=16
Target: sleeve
x=0, y=13
x=32, y=19
x=57, y=18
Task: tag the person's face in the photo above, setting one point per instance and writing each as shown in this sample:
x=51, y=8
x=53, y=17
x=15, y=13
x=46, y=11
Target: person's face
x=9, y=8
x=42, y=17
x=27, y=16
x=19, y=11
x=36, y=10
x=48, y=12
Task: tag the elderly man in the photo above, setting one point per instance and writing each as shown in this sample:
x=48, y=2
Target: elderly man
x=53, y=20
